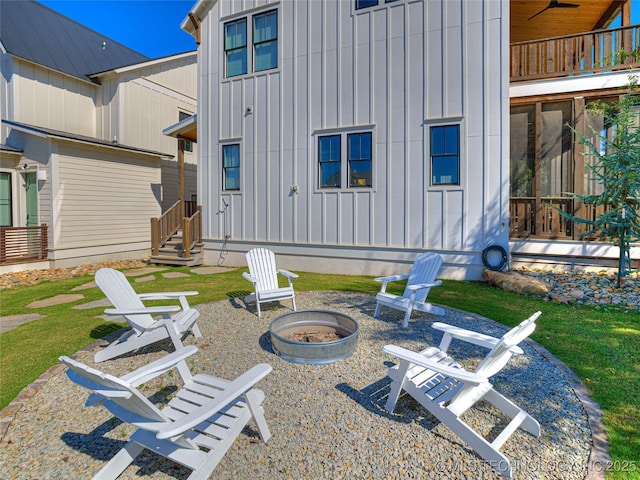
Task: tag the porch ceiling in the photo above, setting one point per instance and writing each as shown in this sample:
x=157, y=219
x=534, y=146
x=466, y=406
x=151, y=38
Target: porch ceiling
x=555, y=22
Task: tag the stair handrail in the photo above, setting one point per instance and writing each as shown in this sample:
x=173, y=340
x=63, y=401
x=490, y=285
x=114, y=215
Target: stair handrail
x=191, y=232
x=163, y=228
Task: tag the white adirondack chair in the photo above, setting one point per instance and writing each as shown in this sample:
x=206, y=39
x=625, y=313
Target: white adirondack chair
x=145, y=330
x=447, y=390
x=419, y=281
x=263, y=274
x=194, y=429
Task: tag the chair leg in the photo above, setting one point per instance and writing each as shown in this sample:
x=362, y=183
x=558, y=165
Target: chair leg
x=377, y=312
x=407, y=316
x=120, y=462
x=258, y=307
x=196, y=331
x=254, y=403
x=396, y=386
x=293, y=299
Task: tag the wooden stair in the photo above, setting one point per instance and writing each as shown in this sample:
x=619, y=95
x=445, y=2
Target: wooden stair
x=171, y=253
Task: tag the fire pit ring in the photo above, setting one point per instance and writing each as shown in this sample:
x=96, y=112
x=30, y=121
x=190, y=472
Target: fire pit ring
x=313, y=352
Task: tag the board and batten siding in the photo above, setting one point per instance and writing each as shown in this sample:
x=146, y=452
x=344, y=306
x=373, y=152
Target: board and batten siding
x=395, y=70
x=104, y=197
x=49, y=99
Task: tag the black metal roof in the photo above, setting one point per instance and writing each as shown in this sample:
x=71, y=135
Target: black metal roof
x=50, y=132
x=31, y=31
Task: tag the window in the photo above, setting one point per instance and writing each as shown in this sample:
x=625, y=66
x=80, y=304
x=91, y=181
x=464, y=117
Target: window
x=359, y=159
x=265, y=41
x=262, y=34
x=6, y=217
x=235, y=47
x=365, y=3
x=231, y=167
x=329, y=159
x=188, y=144
x=445, y=155
x=370, y=3
x=357, y=155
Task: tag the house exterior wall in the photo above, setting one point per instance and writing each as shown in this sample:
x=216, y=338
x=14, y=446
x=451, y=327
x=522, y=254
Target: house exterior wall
x=36, y=95
x=137, y=104
x=394, y=70
x=104, y=200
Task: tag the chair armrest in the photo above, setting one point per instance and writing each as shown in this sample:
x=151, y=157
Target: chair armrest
x=417, y=359
x=142, y=311
x=420, y=286
x=238, y=387
x=165, y=296
x=169, y=296
x=164, y=364
x=287, y=273
x=391, y=278
x=248, y=276
x=470, y=336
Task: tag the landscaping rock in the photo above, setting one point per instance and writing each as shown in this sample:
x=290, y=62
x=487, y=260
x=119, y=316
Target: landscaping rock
x=516, y=282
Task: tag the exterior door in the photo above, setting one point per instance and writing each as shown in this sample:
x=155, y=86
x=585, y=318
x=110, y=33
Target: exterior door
x=32, y=199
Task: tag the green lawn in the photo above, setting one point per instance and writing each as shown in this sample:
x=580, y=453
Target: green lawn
x=601, y=347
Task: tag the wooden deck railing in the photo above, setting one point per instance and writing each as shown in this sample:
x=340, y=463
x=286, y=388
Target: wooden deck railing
x=187, y=218
x=163, y=228
x=191, y=232
x=539, y=218
x=23, y=244
x=592, y=52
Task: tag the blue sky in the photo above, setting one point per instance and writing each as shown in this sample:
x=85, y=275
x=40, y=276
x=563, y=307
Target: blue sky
x=151, y=27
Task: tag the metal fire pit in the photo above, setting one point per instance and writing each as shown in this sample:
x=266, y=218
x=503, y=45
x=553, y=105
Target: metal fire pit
x=316, y=353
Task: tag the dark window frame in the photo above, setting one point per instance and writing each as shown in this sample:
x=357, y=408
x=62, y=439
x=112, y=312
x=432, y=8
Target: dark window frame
x=235, y=49
x=227, y=169
x=441, y=158
x=261, y=43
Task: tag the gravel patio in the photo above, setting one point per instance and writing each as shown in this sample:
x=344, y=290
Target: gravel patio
x=327, y=421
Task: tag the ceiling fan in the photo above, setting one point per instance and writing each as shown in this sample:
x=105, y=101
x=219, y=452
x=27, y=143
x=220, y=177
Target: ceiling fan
x=555, y=4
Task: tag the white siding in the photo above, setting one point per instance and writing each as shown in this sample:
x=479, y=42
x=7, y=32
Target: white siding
x=49, y=99
x=399, y=68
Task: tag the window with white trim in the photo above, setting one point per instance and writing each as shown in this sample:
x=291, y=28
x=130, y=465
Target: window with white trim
x=231, y=167
x=345, y=159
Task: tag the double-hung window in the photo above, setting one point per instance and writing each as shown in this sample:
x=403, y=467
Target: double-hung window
x=235, y=47
x=445, y=155
x=359, y=158
x=345, y=159
x=231, y=167
x=261, y=33
x=265, y=41
x=329, y=159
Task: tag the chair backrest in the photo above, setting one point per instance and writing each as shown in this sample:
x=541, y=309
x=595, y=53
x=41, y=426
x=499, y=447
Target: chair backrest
x=119, y=397
x=122, y=295
x=500, y=354
x=424, y=270
x=262, y=266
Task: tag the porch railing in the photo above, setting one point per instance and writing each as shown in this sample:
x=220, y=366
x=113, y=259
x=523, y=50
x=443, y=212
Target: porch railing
x=164, y=227
x=23, y=244
x=592, y=52
x=187, y=218
x=191, y=232
x=539, y=218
